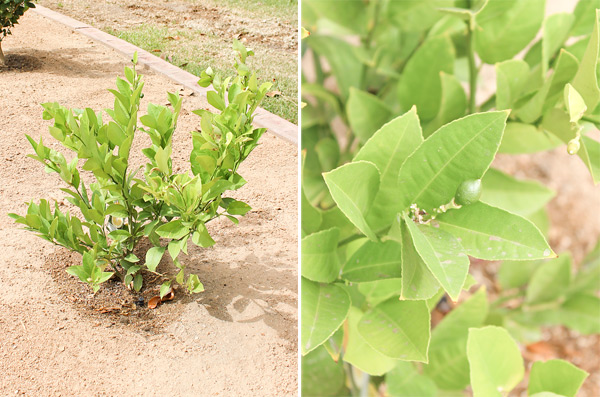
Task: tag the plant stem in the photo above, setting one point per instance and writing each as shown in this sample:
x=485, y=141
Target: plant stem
x=367, y=43
x=472, y=69
x=502, y=299
x=2, y=59
x=350, y=239
x=355, y=390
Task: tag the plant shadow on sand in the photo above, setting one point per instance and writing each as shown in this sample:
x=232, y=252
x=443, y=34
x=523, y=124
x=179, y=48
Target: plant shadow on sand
x=61, y=63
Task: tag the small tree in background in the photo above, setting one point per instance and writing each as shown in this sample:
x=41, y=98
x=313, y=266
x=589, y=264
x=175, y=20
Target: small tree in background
x=10, y=12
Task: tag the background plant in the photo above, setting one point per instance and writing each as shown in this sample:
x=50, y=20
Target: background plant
x=121, y=207
x=10, y=12
x=389, y=134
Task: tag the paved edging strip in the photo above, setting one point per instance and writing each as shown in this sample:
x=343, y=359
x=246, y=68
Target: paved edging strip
x=263, y=118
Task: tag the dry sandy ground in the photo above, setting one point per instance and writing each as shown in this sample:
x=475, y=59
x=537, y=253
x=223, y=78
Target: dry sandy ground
x=239, y=337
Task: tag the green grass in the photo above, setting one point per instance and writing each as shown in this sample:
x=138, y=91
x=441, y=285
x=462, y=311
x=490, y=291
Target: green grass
x=195, y=55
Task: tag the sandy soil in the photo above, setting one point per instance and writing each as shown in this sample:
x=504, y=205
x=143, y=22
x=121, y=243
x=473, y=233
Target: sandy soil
x=239, y=337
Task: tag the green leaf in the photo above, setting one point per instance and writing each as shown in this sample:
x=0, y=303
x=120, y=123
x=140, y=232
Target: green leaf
x=340, y=55
x=580, y=312
x=374, y=261
x=555, y=376
x=137, y=282
x=550, y=280
x=366, y=113
x=405, y=134
x=504, y=27
x=448, y=365
x=491, y=233
x=555, y=32
x=353, y=202
x=201, y=237
x=431, y=175
x=165, y=288
x=511, y=76
x=417, y=281
x=174, y=230
x=420, y=84
x=564, y=70
x=584, y=17
x=495, y=361
x=514, y=274
x=321, y=376
x=360, y=354
x=586, y=79
x=517, y=196
x=319, y=256
x=376, y=292
x=526, y=138
x=574, y=103
x=311, y=216
x=405, y=381
x=443, y=255
x=153, y=257
x=453, y=104
x=236, y=207
x=398, y=329
x=352, y=16
x=324, y=309
x=215, y=100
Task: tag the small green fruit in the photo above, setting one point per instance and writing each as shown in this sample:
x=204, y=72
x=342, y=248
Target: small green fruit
x=468, y=192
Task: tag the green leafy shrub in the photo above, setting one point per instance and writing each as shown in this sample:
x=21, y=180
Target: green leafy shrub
x=10, y=12
x=393, y=143
x=126, y=204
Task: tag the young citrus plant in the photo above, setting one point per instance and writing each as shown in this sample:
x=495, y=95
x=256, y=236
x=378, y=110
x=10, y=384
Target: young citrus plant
x=125, y=204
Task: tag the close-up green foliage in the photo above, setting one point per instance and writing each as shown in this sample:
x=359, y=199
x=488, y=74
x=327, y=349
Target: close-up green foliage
x=10, y=12
x=127, y=203
x=398, y=196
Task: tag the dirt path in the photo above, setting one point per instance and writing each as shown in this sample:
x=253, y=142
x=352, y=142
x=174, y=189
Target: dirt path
x=239, y=337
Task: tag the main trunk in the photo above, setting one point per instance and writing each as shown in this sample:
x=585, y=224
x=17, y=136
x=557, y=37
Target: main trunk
x=1, y=55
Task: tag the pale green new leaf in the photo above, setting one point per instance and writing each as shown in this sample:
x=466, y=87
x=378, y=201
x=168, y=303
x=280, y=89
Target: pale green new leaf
x=420, y=84
x=324, y=309
x=366, y=113
x=319, y=256
x=355, y=198
x=398, y=329
x=495, y=361
x=153, y=257
x=388, y=148
x=555, y=376
x=360, y=354
x=491, y=233
x=442, y=254
x=374, y=261
x=521, y=197
x=505, y=27
x=574, y=104
x=459, y=151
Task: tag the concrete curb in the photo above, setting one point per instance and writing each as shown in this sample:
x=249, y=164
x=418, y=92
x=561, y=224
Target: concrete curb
x=263, y=118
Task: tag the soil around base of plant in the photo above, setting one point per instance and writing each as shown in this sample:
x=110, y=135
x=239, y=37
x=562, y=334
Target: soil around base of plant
x=238, y=337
